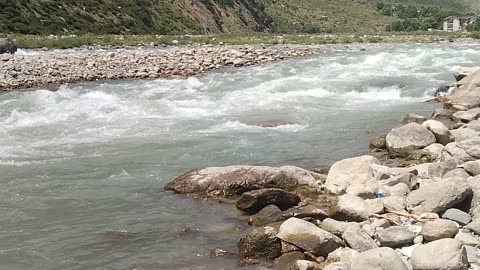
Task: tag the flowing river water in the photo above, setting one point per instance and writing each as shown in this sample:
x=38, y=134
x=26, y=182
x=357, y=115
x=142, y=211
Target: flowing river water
x=82, y=169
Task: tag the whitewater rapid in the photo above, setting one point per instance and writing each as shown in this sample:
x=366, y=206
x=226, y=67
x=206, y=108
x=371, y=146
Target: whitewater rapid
x=91, y=159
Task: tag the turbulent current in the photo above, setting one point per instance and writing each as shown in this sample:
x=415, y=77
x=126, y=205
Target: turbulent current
x=82, y=169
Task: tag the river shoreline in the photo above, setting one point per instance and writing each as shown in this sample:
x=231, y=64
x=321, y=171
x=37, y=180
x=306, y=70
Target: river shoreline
x=53, y=69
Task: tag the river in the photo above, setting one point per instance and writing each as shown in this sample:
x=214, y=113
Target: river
x=82, y=169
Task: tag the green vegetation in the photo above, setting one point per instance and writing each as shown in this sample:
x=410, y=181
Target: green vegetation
x=174, y=17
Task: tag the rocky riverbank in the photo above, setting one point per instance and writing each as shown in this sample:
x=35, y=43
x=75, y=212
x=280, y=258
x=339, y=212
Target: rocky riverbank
x=412, y=203
x=49, y=69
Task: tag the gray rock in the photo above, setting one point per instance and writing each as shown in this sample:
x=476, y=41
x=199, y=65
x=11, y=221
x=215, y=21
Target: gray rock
x=267, y=215
x=458, y=216
x=456, y=174
x=228, y=183
x=403, y=140
x=375, y=206
x=414, y=118
x=441, y=132
x=444, y=254
x=344, y=255
x=462, y=134
x=439, y=169
x=311, y=210
x=378, y=142
x=411, y=180
x=260, y=243
x=287, y=260
x=471, y=147
x=349, y=172
x=395, y=203
x=473, y=256
x=350, y=208
x=467, y=239
x=466, y=116
x=439, y=229
x=358, y=239
x=395, y=236
x=308, y=237
x=441, y=113
x=435, y=149
x=400, y=189
x=383, y=258
x=334, y=226
x=457, y=152
x=255, y=200
x=438, y=196
x=474, y=227
x=472, y=167
x=7, y=46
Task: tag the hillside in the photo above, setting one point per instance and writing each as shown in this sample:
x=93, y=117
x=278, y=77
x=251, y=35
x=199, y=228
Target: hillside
x=200, y=16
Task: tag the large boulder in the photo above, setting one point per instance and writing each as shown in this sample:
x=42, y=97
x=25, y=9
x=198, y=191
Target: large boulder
x=7, y=46
x=403, y=140
x=467, y=94
x=308, y=237
x=437, y=196
x=395, y=236
x=349, y=172
x=350, y=208
x=383, y=258
x=254, y=201
x=444, y=254
x=439, y=229
x=466, y=116
x=228, y=183
x=260, y=243
x=441, y=132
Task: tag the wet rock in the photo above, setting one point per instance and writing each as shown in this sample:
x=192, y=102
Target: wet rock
x=7, y=46
x=439, y=229
x=378, y=142
x=442, y=91
x=218, y=252
x=403, y=140
x=228, y=183
x=458, y=216
x=441, y=132
x=287, y=260
x=444, y=254
x=268, y=214
x=358, y=239
x=309, y=237
x=414, y=118
x=350, y=208
x=395, y=236
x=383, y=258
x=438, y=196
x=256, y=200
x=260, y=243
x=349, y=172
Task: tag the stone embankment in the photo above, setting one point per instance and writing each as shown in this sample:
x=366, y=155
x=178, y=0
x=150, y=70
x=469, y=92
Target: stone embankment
x=50, y=69
x=412, y=203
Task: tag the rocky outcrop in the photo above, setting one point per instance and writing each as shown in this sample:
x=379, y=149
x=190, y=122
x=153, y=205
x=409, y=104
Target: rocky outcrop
x=7, y=46
x=229, y=183
x=403, y=140
x=348, y=173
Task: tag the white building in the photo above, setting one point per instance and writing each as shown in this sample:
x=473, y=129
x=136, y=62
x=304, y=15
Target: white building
x=455, y=24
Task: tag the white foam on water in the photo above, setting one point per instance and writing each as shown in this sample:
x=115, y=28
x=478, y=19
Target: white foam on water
x=240, y=126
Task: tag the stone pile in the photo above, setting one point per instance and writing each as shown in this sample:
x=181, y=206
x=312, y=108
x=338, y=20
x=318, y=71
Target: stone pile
x=423, y=214
x=47, y=69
